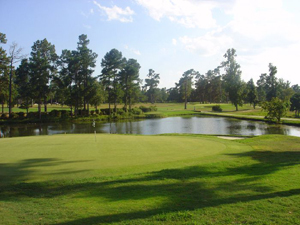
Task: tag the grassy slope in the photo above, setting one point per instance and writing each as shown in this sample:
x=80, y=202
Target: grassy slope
x=167, y=179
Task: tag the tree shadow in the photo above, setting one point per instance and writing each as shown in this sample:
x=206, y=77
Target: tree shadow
x=182, y=189
x=11, y=173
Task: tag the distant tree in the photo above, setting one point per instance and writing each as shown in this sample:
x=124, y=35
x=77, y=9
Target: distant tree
x=262, y=87
x=129, y=79
x=295, y=103
x=285, y=92
x=185, y=84
x=15, y=56
x=276, y=109
x=296, y=88
x=4, y=73
x=271, y=82
x=87, y=61
x=42, y=67
x=151, y=84
x=68, y=82
x=232, y=78
x=174, y=95
x=112, y=63
x=23, y=84
x=97, y=94
x=252, y=96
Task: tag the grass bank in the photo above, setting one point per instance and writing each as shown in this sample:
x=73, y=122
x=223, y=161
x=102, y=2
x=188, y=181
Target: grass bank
x=170, y=109
x=166, y=179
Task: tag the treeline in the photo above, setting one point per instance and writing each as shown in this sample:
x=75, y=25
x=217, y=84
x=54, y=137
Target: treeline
x=45, y=77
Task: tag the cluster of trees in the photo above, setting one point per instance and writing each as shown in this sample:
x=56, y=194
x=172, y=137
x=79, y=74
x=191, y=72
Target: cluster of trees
x=68, y=80
x=224, y=84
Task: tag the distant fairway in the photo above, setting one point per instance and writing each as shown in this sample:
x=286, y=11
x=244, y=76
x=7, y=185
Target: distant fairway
x=134, y=179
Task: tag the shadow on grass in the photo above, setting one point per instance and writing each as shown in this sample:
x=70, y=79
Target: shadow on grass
x=19, y=172
x=182, y=189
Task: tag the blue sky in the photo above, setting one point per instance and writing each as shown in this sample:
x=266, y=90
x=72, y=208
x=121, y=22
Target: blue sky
x=169, y=36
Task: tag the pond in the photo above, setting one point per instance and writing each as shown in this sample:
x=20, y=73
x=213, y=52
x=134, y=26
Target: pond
x=194, y=125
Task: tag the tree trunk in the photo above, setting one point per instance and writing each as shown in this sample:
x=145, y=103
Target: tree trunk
x=9, y=99
x=2, y=107
x=236, y=108
x=39, y=108
x=45, y=104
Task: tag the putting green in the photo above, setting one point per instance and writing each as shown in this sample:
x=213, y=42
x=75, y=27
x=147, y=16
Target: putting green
x=81, y=156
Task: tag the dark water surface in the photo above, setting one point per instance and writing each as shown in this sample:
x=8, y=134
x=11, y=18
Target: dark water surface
x=194, y=125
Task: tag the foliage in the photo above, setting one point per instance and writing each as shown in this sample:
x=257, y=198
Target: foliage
x=295, y=103
x=112, y=63
x=252, y=95
x=129, y=80
x=148, y=109
x=185, y=84
x=276, y=109
x=136, y=111
x=151, y=84
x=42, y=67
x=217, y=108
x=232, y=78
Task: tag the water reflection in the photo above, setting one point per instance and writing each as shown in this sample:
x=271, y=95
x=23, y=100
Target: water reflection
x=196, y=125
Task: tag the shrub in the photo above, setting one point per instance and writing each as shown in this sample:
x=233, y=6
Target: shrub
x=148, y=109
x=121, y=112
x=55, y=113
x=5, y=116
x=136, y=111
x=64, y=113
x=22, y=114
x=276, y=109
x=105, y=111
x=217, y=108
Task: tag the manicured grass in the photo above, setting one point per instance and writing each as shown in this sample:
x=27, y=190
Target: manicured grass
x=166, y=179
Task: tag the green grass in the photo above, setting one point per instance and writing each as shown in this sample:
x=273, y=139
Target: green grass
x=165, y=179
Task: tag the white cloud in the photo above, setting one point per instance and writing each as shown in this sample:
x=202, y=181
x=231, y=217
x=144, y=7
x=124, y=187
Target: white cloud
x=92, y=11
x=87, y=26
x=208, y=45
x=174, y=41
x=284, y=58
x=136, y=52
x=117, y=13
x=258, y=20
x=190, y=13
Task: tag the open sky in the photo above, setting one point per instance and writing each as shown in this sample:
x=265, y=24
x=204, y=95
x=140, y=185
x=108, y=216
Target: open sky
x=168, y=36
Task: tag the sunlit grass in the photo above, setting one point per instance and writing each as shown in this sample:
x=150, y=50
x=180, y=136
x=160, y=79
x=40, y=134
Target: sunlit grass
x=166, y=179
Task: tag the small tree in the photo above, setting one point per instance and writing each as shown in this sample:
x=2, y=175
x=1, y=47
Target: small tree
x=275, y=109
x=252, y=96
x=295, y=103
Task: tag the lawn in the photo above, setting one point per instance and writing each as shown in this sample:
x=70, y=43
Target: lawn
x=165, y=179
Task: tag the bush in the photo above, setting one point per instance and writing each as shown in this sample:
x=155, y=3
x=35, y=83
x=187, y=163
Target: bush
x=64, y=113
x=105, y=111
x=22, y=114
x=121, y=112
x=276, y=109
x=5, y=116
x=55, y=113
x=136, y=111
x=216, y=108
x=148, y=109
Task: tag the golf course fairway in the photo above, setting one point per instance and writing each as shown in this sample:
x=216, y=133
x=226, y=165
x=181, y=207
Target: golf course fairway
x=163, y=179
